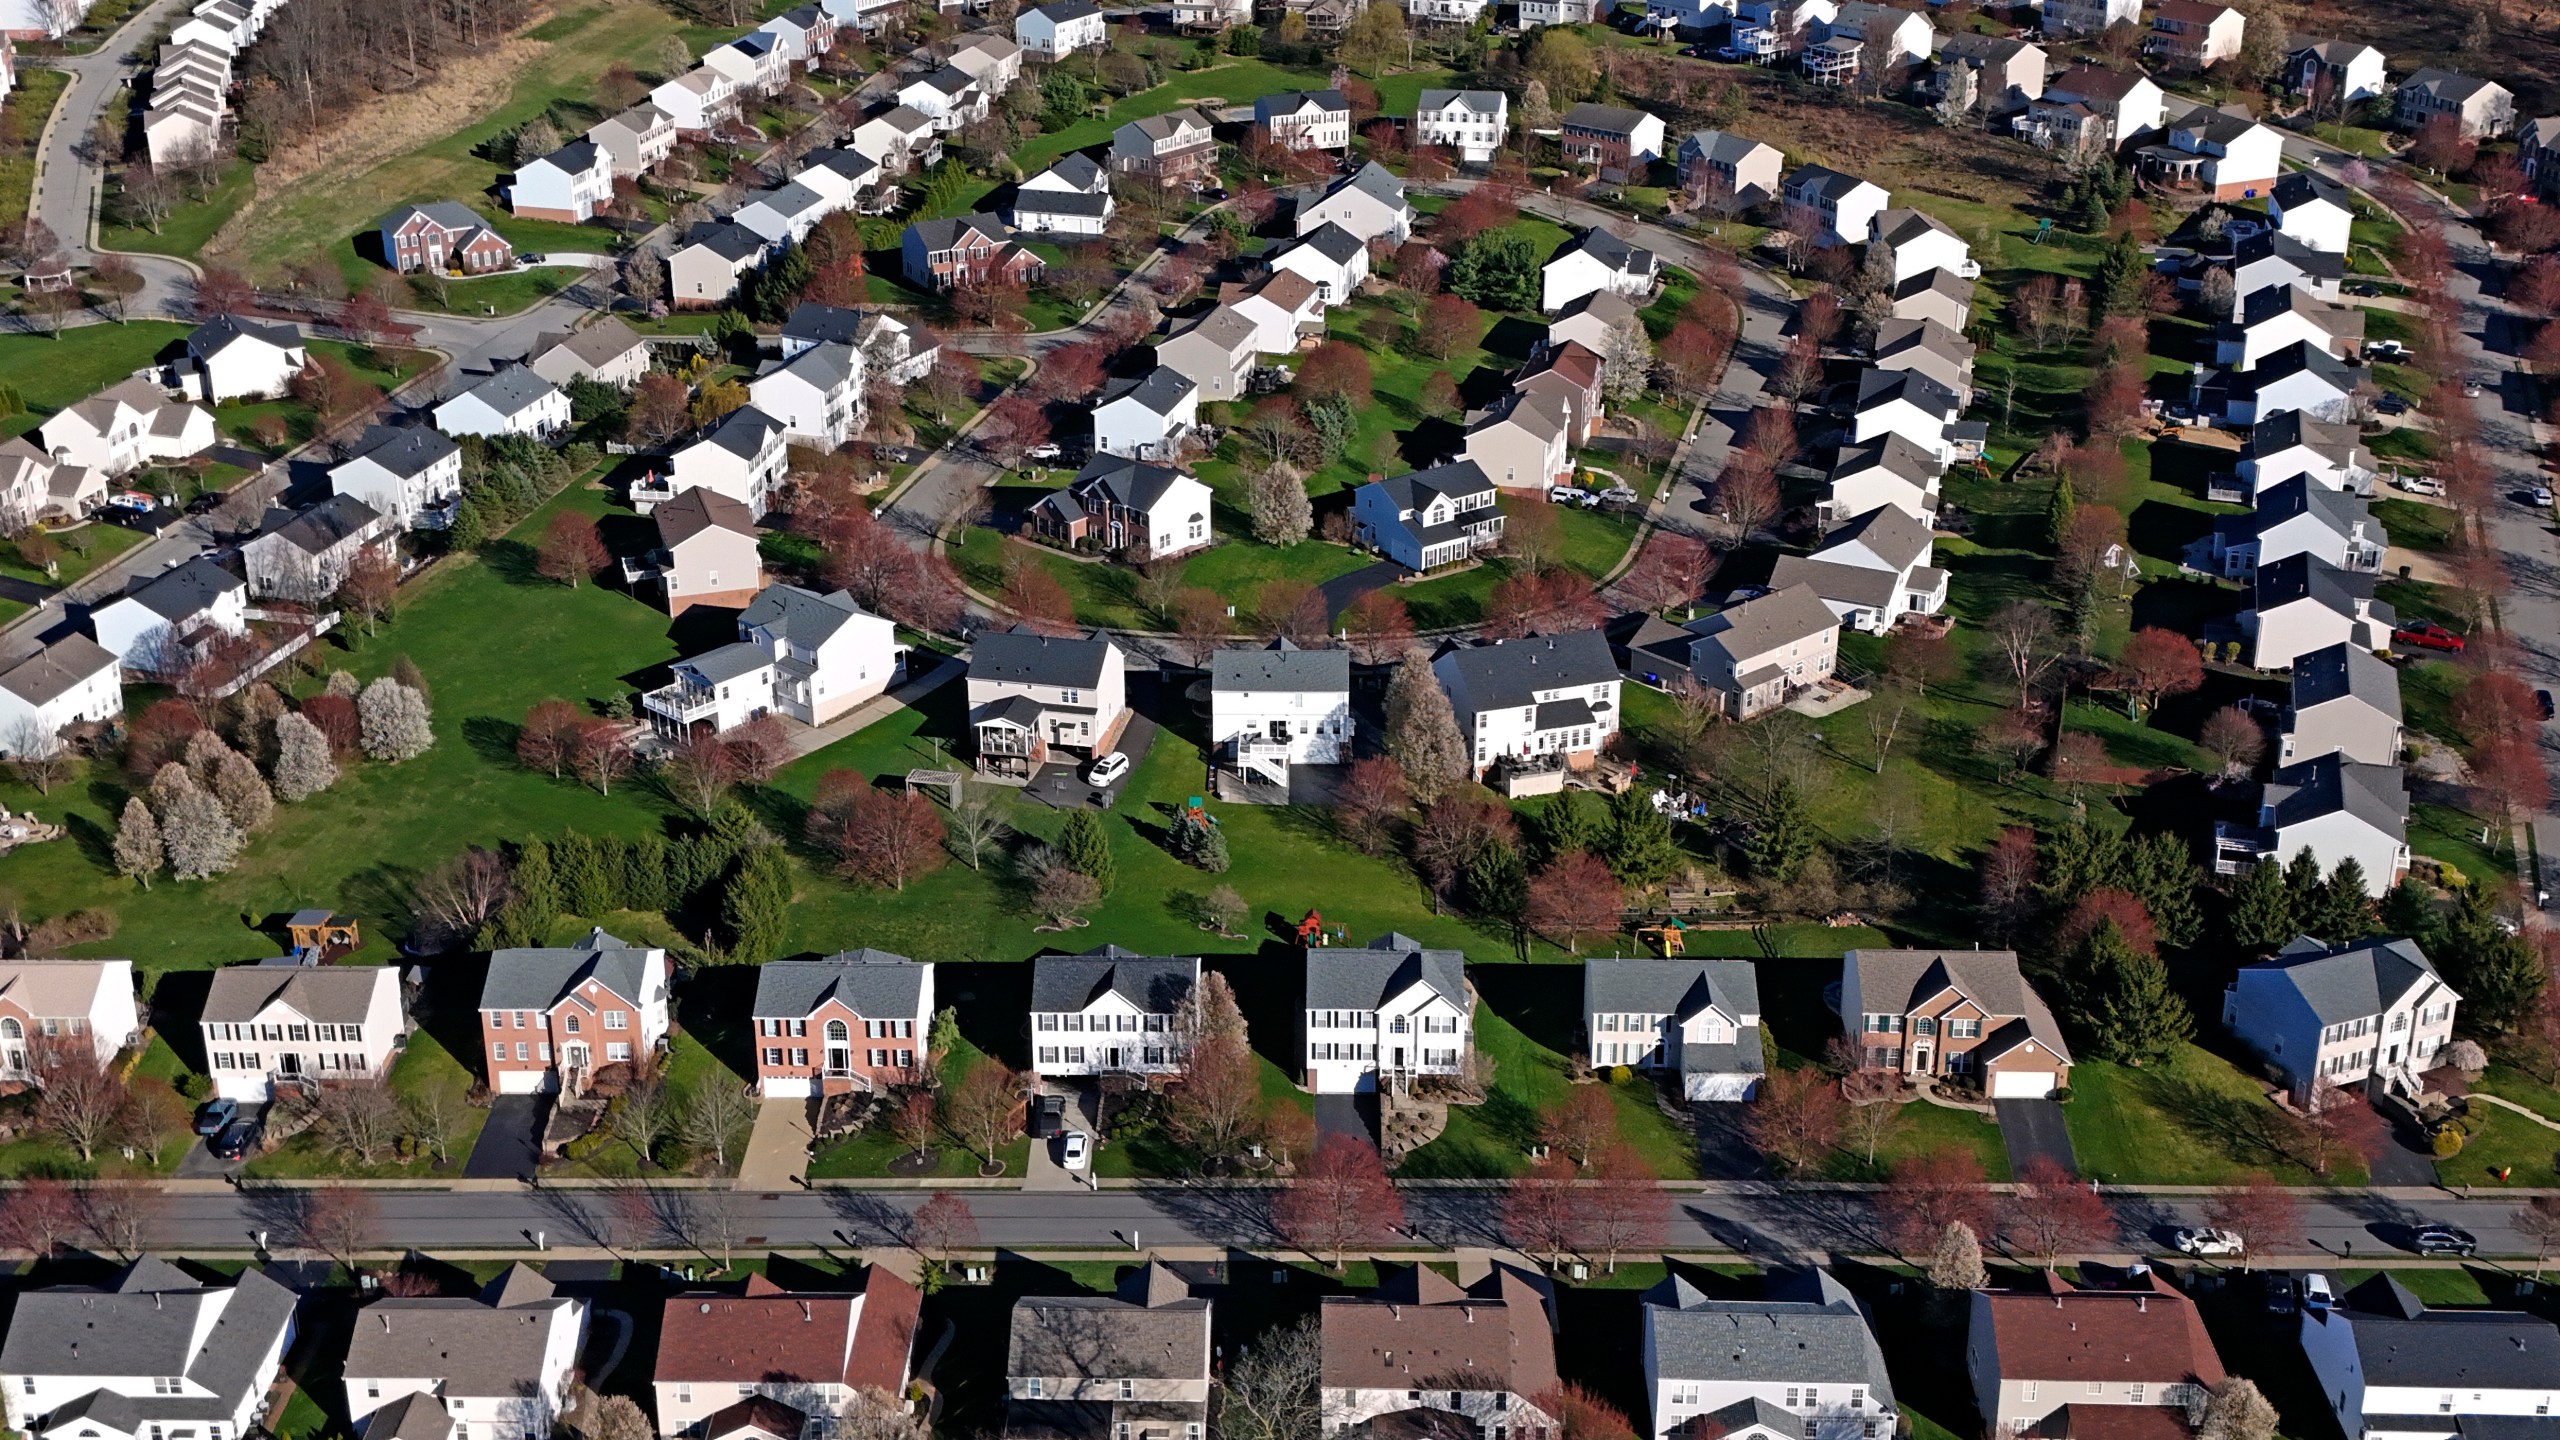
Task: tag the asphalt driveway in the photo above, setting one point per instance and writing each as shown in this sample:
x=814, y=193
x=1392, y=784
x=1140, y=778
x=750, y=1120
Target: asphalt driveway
x=510, y=1145
x=2033, y=1130
x=1352, y=1115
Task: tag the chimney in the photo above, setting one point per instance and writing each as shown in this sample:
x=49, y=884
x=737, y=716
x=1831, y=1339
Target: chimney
x=2142, y=1304
x=385, y=1318
x=1469, y=1311
x=805, y=1315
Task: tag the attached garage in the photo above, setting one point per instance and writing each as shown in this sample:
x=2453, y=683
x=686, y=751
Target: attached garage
x=2030, y=1069
x=2023, y=1084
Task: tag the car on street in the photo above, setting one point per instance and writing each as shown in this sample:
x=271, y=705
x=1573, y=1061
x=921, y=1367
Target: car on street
x=2443, y=1240
x=2542, y=702
x=205, y=504
x=1048, y=1115
x=2315, y=1292
x=1076, y=1150
x=2419, y=484
x=2206, y=1241
x=1107, y=769
x=212, y=1115
x=236, y=1140
x=2428, y=635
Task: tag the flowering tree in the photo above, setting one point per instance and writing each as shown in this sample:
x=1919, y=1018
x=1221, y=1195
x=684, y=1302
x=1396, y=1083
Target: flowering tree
x=1340, y=1199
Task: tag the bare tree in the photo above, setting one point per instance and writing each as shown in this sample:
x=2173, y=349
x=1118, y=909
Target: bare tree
x=1270, y=1390
x=123, y=1217
x=718, y=1119
x=340, y=1222
x=361, y=1121
x=83, y=1101
x=2023, y=633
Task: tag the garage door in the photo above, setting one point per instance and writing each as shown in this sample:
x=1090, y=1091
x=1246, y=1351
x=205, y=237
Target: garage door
x=2021, y=1084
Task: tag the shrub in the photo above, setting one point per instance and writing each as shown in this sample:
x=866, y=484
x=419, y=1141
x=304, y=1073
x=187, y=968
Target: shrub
x=2062, y=1095
x=1621, y=1074
x=2447, y=1143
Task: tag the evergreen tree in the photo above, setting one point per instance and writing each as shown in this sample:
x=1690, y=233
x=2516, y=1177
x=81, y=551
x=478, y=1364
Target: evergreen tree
x=1497, y=882
x=584, y=888
x=138, y=852
x=2302, y=889
x=2165, y=877
x=2346, y=911
x=537, y=885
x=644, y=873
x=1639, y=846
x=2123, y=1002
x=1563, y=823
x=2262, y=910
x=2057, y=511
x=2089, y=216
x=1422, y=733
x=1087, y=847
x=756, y=910
x=2121, y=275
x=1212, y=855
x=2409, y=910
x=198, y=837
x=304, y=766
x=2497, y=974
x=1778, y=849
x=470, y=528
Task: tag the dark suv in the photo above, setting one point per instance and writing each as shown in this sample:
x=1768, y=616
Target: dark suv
x=1048, y=1116
x=2443, y=1240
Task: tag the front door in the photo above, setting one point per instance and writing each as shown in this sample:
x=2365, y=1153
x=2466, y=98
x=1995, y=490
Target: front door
x=1920, y=1062
x=1396, y=1060
x=839, y=1059
x=289, y=1065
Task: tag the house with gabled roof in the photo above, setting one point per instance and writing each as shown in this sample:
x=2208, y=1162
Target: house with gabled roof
x=1871, y=571
x=707, y=553
x=1734, y=170
x=2302, y=377
x=1909, y=404
x=979, y=249
x=2312, y=209
x=1071, y=197
x=900, y=137
x=2226, y=156
x=1420, y=1356
x=1033, y=695
x=1765, y=31
x=1941, y=295
x=85, y=1006
x=816, y=394
x=2336, y=72
x=847, y=179
x=704, y=271
x=1962, y=1014
x=1888, y=36
x=1911, y=242
x=1109, y=1011
x=1845, y=205
x=1053, y=32
x=1600, y=322
x=1756, y=655
x=2481, y=109
x=948, y=96
x=2275, y=258
x=698, y=101
x=1694, y=1020
x=1384, y=1013
x=154, y=1352
x=228, y=358
x=551, y=1017
x=2007, y=72
x=304, y=556
x=2346, y=701
x=743, y=455
x=855, y=1022
x=2317, y=1014
x=1472, y=123
x=1208, y=17
x=1334, y=258
x=2299, y=516
x=1273, y=706
x=799, y=654
x=442, y=235
x=1620, y=143
x=1523, y=442
x=634, y=141
x=608, y=352
x=1175, y=148
x=72, y=681
x=1800, y=1360
x=2303, y=603
x=569, y=185
x=121, y=429
x=1304, y=120
x=2115, y=109
x=1369, y=202
x=516, y=400
x=1568, y=375
x=2194, y=34
x=1119, y=505
x=1424, y=519
x=785, y=214
x=2391, y=1367
x=2297, y=442
x=162, y=622
x=281, y=1024
x=410, y=475
x=1886, y=470
x=993, y=60
x=1541, y=699
x=2333, y=808
x=2051, y=1358
x=1109, y=1367
x=498, y=1364
x=1215, y=352
x=1930, y=347
x=803, y=33
x=755, y=60
x=791, y=1357
x=1285, y=308
x=1597, y=260
x=1146, y=417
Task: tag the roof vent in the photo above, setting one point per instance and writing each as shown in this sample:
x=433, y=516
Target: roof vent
x=705, y=1307
x=2142, y=1304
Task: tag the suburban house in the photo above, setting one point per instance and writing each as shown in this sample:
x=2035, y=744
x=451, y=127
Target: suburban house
x=2392, y=1369
x=2346, y=701
x=569, y=185
x=976, y=249
x=753, y=60
x=992, y=59
x=1214, y=352
x=1174, y=148
x=1909, y=404
x=1758, y=654
x=899, y=137
x=698, y=101
x=1273, y=706
x=2193, y=34
x=2303, y=603
x=305, y=556
x=948, y=96
x=2225, y=156
x=1428, y=518
x=2275, y=258
x=157, y=1352
x=1071, y=197
x=2089, y=17
x=1734, y=170
x=497, y=1366
x=1534, y=13
x=74, y=1008
x=1285, y=309
x=1697, y=1020
x=1804, y=1352
x=1031, y=695
x=33, y=484
x=1600, y=322
x=2296, y=442
x=2335, y=72
x=2313, y=210
x=72, y=681
x=1110, y=1367
x=1888, y=37
x=161, y=622
x=2047, y=1355
x=1568, y=375
x=2482, y=109
x=799, y=654
x=635, y=141
x=1385, y=1013
x=2116, y=108
x=1966, y=1015
x=1909, y=243
x=1871, y=571
x=1118, y=505
x=2300, y=378
x=1369, y=202
x=1542, y=701
x=1209, y=17
x=1146, y=417
x=2007, y=73
x=2538, y=151
x=1765, y=31
x=1931, y=347
x=121, y=429
x=743, y=456
x=1303, y=120
x=2343, y=1015
x=1887, y=470
x=1487, y=1355
x=2299, y=516
x=546, y=1012
x=707, y=552
x=809, y=1013
x=816, y=394
x=1471, y=123
x=442, y=235
x=2335, y=808
x=784, y=215
x=1524, y=443
x=514, y=401
x=1597, y=260
x=801, y=1353
x=1109, y=1011
x=1332, y=257
x=1621, y=144
x=847, y=179
x=1845, y=205
x=1940, y=295
x=703, y=272
x=607, y=352
x=1053, y=32
x=802, y=34
x=229, y=358
x=411, y=476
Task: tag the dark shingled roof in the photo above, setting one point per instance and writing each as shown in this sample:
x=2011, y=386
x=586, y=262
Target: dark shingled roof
x=2348, y=982
x=1155, y=984
x=1280, y=665
x=869, y=982
x=1024, y=657
x=1342, y=978
x=1508, y=674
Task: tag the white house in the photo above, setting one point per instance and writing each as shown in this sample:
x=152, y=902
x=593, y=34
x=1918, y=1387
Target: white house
x=1756, y=655
x=1544, y=699
x=155, y=623
x=785, y=214
x=2302, y=603
x=1276, y=705
x=80, y=1005
x=514, y=401
x=1473, y=123
x=799, y=654
x=411, y=476
x=2346, y=701
x=755, y=60
x=1071, y=197
x=1887, y=470
x=1888, y=36
x=2333, y=807
x=2297, y=378
x=994, y=61
x=1909, y=404
x=816, y=394
x=2313, y=210
x=1146, y=417
x=1428, y=518
x=1122, y=506
x=1596, y=260
x=498, y=1366
x=304, y=556
x=898, y=137
x=1841, y=208
x=2227, y=157
x=2275, y=258
x=550, y=1018
x=1033, y=695
x=2392, y=1369
x=2088, y=17
x=1109, y=1011
x=1696, y=1020
x=155, y=1353
x=229, y=358
x=2195, y=34
x=281, y=1023
x=124, y=427
x=1805, y=1350
x=948, y=96
x=1369, y=202
x=635, y=141
x=2299, y=516
x=1285, y=309
x=1914, y=242
x=1871, y=571
x=2296, y=442
x=1334, y=258
x=73, y=681
x=1053, y=32
x=1765, y=30
x=1304, y=120
x=743, y=456
x=1384, y=1014
x=569, y=185
x=697, y=101
x=1929, y=346
x=2371, y=1009
x=1214, y=352
x=2113, y=107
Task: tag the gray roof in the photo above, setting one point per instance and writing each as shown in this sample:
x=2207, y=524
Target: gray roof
x=1902, y=225
x=1138, y=485
x=2290, y=360
x=1823, y=180
x=1922, y=333
x=1892, y=452
x=327, y=994
x=512, y=390
x=1024, y=657
x=827, y=365
x=147, y=1324
x=867, y=982
x=1720, y=146
x=536, y=979
x=1749, y=1414
x=185, y=590
x=1077, y=169
x=2310, y=789
x=2336, y=510
x=2288, y=428
x=405, y=451
x=1223, y=326
x=2400, y=1342
x=477, y=1349
x=1808, y=1330
x=1883, y=387
x=805, y=618
x=220, y=332
x=823, y=324
x=788, y=199
x=2348, y=982
x=1507, y=674
x=2340, y=671
x=418, y=1415
x=1610, y=250
x=2447, y=84
x=1416, y=489
x=1281, y=665
x=2276, y=245
x=1059, y=202
x=950, y=80
x=2269, y=301
x=743, y=432
x=732, y=243
x=1341, y=978
x=1669, y=987
x=57, y=669
x=1755, y=627
x=2301, y=187
x=1290, y=102
x=1155, y=984
x=451, y=214
x=1864, y=585
x=1974, y=49
x=1894, y=981
x=2308, y=577
x=727, y=662
x=1161, y=390
x=576, y=158
x=1332, y=242
x=1889, y=531
x=1938, y=278
x=326, y=525
x=1065, y=10
x=1608, y=119
x=1483, y=102
x=1102, y=1337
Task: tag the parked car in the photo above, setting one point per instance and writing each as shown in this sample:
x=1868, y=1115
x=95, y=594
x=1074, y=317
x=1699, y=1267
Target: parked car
x=1043, y=452
x=1107, y=769
x=1048, y=1115
x=2443, y=1240
x=2419, y=484
x=212, y=1115
x=1076, y=1151
x=2280, y=1293
x=2428, y=635
x=2391, y=404
x=2363, y=288
x=2204, y=1240
x=236, y=1140
x=2541, y=495
x=2385, y=350
x=2315, y=1292
x=2472, y=388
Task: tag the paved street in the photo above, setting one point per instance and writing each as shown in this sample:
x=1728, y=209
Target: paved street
x=68, y=178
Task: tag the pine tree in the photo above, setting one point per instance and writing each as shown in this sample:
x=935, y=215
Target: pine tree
x=1563, y=823
x=756, y=911
x=1639, y=846
x=393, y=722
x=243, y=793
x=1087, y=847
x=584, y=889
x=1778, y=849
x=2121, y=275
x=1498, y=881
x=470, y=528
x=2409, y=910
x=2262, y=915
x=1422, y=732
x=304, y=766
x=2497, y=974
x=2057, y=511
x=137, y=852
x=644, y=873
x=2124, y=1001
x=1212, y=854
x=2346, y=911
x=2165, y=877
x=198, y=837
x=2090, y=217
x=2302, y=885
x=537, y=884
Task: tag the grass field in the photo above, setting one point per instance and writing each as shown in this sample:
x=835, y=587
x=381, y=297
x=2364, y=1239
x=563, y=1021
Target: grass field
x=37, y=93
x=2194, y=1120
x=1492, y=1140
x=190, y=228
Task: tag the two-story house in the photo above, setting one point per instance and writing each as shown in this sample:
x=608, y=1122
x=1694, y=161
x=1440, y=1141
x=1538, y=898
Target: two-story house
x=947, y=95
x=1275, y=706
x=2303, y=603
x=2296, y=517
x=304, y=556
x=1943, y=296
x=1756, y=655
x=2093, y=109
x=2194, y=34
x=1871, y=571
x=1369, y=202
x=1600, y=322
x=162, y=623
x=1175, y=148
x=978, y=249
x=2049, y=1353
x=2346, y=701
x=84, y=1007
x=568, y=185
x=1071, y=197
x=2007, y=73
x=1420, y=1356
x=1129, y=1366
x=551, y=1017
x=698, y=102
x=228, y=358
x=2089, y=17
x=2300, y=378
x=1033, y=695
x=2390, y=1368
x=635, y=141
x=514, y=401
x=1427, y=518
x=124, y=427
x=1955, y=1014
x=1471, y=123
x=1840, y=209
x=154, y=1355
x=1596, y=260
x=443, y=235
x=1523, y=443
x=785, y=214
x=1053, y=32
x=2311, y=209
x=1620, y=143
x=1887, y=470
x=816, y=394
x=1567, y=373
x=856, y=1021
x=71, y=681
x=2481, y=109
x=1214, y=352
x=2320, y=1014
x=497, y=1367
x=1931, y=347
x=1123, y=506
x=759, y=1344
x=2296, y=442
x=1109, y=1011
x=799, y=654
x=704, y=271
x=1285, y=307
x=1888, y=36
x=1303, y=120
x=2334, y=72
x=993, y=60
x=1332, y=257
x=1146, y=417
x=744, y=456
x=1766, y=31
x=899, y=137
x=707, y=553
x=1805, y=1350
x=607, y=352
x=2332, y=807
x=2275, y=258
x=1542, y=700
x=1909, y=404
x=2227, y=157
x=1379, y=1015
x=1733, y=171
x=1908, y=242
x=1696, y=1021
x=411, y=476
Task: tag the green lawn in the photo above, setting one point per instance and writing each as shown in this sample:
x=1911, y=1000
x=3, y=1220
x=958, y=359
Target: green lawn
x=37, y=93
x=424, y=1066
x=866, y=1154
x=189, y=228
x=2193, y=1120
x=2529, y=1152
x=1927, y=1129
x=1492, y=1139
x=84, y=549
x=2415, y=526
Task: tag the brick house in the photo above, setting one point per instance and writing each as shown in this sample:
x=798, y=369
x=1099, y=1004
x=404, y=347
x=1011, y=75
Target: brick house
x=1620, y=143
x=975, y=249
x=1927, y=1014
x=550, y=1018
x=855, y=1021
x=443, y=235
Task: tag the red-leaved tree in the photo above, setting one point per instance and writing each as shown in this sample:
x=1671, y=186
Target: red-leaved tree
x=1340, y=1199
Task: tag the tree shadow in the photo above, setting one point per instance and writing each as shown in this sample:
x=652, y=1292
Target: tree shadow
x=491, y=738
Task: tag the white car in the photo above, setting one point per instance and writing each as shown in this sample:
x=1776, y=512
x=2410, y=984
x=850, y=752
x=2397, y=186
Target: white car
x=2207, y=1241
x=2419, y=484
x=1043, y=452
x=1107, y=769
x=1075, y=1149
x=2315, y=1292
x=2471, y=389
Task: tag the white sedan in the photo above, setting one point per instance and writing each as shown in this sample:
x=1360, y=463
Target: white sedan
x=1075, y=1150
x=2204, y=1241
